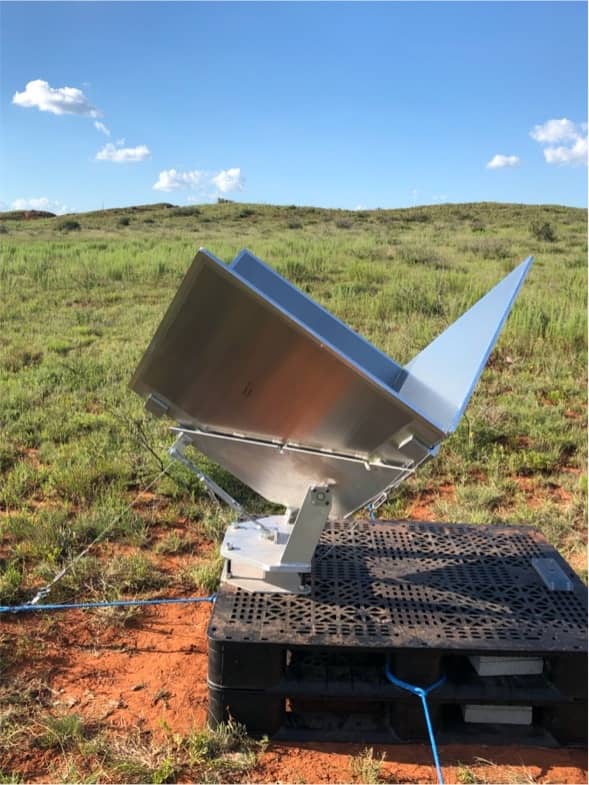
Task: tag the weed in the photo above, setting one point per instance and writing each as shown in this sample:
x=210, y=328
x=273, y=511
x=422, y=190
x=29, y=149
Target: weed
x=365, y=768
x=9, y=778
x=466, y=776
x=224, y=751
x=510, y=776
x=61, y=732
x=205, y=576
x=173, y=544
x=489, y=248
x=10, y=583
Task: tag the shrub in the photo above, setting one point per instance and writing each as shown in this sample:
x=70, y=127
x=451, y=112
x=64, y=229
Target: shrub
x=69, y=225
x=542, y=230
x=185, y=212
x=124, y=221
x=417, y=216
x=3, y=229
x=295, y=225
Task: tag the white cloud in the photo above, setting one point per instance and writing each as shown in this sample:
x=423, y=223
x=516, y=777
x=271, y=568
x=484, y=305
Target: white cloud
x=40, y=203
x=225, y=181
x=101, y=127
x=172, y=180
x=228, y=180
x=56, y=100
x=576, y=154
x=562, y=130
x=554, y=131
x=501, y=161
x=123, y=155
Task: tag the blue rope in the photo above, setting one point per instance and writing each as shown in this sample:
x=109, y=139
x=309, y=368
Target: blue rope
x=106, y=604
x=422, y=693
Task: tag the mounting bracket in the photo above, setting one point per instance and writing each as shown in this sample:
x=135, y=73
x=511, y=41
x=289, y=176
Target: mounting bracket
x=272, y=553
x=255, y=562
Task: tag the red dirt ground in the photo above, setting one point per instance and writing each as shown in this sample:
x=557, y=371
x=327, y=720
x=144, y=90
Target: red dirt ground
x=154, y=671
x=150, y=675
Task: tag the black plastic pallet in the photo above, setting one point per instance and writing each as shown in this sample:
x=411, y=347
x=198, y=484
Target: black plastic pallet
x=422, y=597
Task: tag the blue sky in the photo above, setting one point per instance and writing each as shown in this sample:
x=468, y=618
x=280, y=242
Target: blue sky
x=328, y=104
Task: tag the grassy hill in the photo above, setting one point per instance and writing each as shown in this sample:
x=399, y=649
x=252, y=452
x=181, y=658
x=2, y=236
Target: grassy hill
x=82, y=295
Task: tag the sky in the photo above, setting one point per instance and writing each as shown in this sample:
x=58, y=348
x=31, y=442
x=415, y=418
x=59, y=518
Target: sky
x=349, y=105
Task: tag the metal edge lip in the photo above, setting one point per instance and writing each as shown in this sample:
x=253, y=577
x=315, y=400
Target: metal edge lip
x=382, y=388
x=300, y=292
x=293, y=448
x=526, y=264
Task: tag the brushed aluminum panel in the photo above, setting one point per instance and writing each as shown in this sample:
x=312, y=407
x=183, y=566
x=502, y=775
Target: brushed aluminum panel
x=316, y=318
x=242, y=352
x=453, y=363
x=227, y=358
x=283, y=475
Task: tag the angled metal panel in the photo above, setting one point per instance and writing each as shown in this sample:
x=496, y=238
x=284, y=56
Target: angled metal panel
x=243, y=353
x=227, y=358
x=283, y=475
x=453, y=362
x=316, y=318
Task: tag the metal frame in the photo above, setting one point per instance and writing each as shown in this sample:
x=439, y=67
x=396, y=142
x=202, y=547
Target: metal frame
x=289, y=399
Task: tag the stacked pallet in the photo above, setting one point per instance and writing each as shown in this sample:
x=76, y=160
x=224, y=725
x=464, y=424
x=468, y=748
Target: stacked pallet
x=493, y=609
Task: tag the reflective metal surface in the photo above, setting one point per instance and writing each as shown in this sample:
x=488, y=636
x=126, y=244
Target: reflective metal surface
x=243, y=353
x=282, y=475
x=228, y=358
x=453, y=363
x=316, y=319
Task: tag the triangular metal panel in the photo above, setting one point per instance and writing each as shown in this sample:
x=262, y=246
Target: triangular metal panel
x=452, y=364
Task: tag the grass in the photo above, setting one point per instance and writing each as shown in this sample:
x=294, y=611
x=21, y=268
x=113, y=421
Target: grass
x=84, y=752
x=82, y=296
x=80, y=306
x=365, y=768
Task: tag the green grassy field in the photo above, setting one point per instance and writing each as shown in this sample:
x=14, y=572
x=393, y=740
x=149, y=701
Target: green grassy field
x=81, y=297
x=79, y=306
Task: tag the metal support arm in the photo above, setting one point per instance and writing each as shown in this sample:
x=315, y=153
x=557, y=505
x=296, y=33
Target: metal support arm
x=282, y=564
